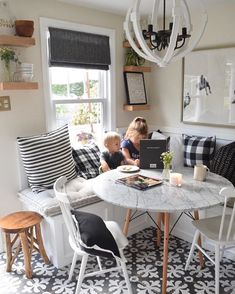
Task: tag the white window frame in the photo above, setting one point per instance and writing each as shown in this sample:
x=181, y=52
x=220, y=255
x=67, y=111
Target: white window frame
x=109, y=116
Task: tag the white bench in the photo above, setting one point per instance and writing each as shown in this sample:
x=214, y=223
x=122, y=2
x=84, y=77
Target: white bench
x=54, y=232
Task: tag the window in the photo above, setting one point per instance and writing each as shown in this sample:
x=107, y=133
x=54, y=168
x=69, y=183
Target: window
x=80, y=97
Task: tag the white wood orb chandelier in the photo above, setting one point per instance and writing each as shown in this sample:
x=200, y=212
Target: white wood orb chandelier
x=166, y=45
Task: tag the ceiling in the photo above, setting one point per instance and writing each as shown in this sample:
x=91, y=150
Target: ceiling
x=120, y=7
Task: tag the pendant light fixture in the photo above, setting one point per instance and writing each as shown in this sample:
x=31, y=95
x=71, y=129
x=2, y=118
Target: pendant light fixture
x=168, y=43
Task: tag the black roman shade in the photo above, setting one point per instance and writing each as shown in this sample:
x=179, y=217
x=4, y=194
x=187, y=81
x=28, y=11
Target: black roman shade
x=78, y=49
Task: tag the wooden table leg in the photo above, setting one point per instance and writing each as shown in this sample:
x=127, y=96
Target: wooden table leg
x=27, y=259
x=40, y=243
x=127, y=220
x=9, y=251
x=201, y=258
x=165, y=252
x=160, y=216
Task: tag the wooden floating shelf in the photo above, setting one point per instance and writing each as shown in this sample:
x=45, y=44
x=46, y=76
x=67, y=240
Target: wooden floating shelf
x=18, y=85
x=133, y=68
x=128, y=107
x=126, y=44
x=16, y=41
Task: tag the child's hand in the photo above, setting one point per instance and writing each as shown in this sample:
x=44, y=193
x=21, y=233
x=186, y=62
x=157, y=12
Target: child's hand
x=104, y=166
x=137, y=162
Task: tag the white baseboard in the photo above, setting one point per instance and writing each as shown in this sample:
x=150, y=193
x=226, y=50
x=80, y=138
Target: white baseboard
x=187, y=236
x=138, y=225
x=2, y=248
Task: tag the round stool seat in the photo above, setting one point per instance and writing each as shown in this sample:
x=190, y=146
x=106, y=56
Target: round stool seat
x=17, y=221
x=26, y=227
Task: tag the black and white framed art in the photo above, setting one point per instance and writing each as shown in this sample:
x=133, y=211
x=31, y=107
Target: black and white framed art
x=209, y=87
x=135, y=88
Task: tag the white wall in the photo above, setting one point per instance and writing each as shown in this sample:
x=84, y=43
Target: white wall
x=166, y=83
x=28, y=116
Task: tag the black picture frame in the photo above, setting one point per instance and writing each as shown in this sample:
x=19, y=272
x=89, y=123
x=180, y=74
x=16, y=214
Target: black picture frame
x=135, y=88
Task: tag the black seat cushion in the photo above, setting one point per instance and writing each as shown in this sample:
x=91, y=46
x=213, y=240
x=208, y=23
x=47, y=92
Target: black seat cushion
x=93, y=231
x=223, y=162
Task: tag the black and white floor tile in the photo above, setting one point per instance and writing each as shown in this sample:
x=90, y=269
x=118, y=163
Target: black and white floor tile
x=144, y=267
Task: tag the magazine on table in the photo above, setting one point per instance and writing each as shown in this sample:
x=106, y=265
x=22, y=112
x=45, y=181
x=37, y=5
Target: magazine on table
x=139, y=182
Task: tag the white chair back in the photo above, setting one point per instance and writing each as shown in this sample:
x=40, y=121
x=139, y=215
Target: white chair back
x=227, y=226
x=61, y=196
x=75, y=241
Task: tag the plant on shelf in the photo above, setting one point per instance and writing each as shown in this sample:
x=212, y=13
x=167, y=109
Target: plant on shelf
x=7, y=55
x=132, y=58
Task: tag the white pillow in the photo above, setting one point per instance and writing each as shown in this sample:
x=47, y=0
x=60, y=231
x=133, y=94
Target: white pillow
x=156, y=135
x=177, y=147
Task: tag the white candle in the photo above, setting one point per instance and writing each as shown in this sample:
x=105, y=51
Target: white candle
x=176, y=179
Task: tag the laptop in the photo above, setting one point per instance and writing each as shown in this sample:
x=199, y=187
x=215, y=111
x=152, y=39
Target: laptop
x=150, y=152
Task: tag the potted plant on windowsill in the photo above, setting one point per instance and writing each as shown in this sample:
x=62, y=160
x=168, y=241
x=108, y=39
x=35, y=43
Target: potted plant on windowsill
x=8, y=55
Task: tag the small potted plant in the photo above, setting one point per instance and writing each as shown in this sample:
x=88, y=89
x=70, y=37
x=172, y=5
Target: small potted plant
x=132, y=58
x=166, y=158
x=7, y=55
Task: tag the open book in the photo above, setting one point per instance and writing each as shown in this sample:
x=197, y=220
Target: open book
x=139, y=182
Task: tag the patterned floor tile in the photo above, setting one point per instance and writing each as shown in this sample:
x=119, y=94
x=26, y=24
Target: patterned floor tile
x=144, y=267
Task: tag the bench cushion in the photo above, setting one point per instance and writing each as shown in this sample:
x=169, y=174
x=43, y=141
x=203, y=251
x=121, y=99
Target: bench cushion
x=79, y=191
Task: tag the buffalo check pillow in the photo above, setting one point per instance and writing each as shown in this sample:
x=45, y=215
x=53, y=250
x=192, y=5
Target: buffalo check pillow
x=46, y=157
x=87, y=160
x=198, y=150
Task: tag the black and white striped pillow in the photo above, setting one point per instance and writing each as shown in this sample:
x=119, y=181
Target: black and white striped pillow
x=198, y=150
x=46, y=157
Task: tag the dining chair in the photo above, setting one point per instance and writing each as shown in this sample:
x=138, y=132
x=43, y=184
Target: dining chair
x=220, y=230
x=78, y=243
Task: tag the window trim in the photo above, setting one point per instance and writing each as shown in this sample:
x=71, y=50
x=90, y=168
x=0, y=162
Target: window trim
x=110, y=118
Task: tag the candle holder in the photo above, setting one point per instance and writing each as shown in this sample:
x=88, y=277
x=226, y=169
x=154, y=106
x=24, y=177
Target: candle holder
x=176, y=179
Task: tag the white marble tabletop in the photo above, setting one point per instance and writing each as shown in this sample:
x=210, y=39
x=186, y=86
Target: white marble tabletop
x=192, y=195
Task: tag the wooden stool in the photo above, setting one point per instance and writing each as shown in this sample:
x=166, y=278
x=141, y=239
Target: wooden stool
x=26, y=227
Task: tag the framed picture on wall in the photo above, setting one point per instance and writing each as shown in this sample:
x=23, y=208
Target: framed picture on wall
x=209, y=87
x=135, y=88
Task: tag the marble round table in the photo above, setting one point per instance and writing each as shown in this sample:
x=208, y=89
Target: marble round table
x=191, y=196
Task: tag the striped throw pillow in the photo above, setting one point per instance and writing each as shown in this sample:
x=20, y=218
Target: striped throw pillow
x=46, y=157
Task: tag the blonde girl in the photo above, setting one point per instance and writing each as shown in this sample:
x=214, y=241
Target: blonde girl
x=137, y=130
